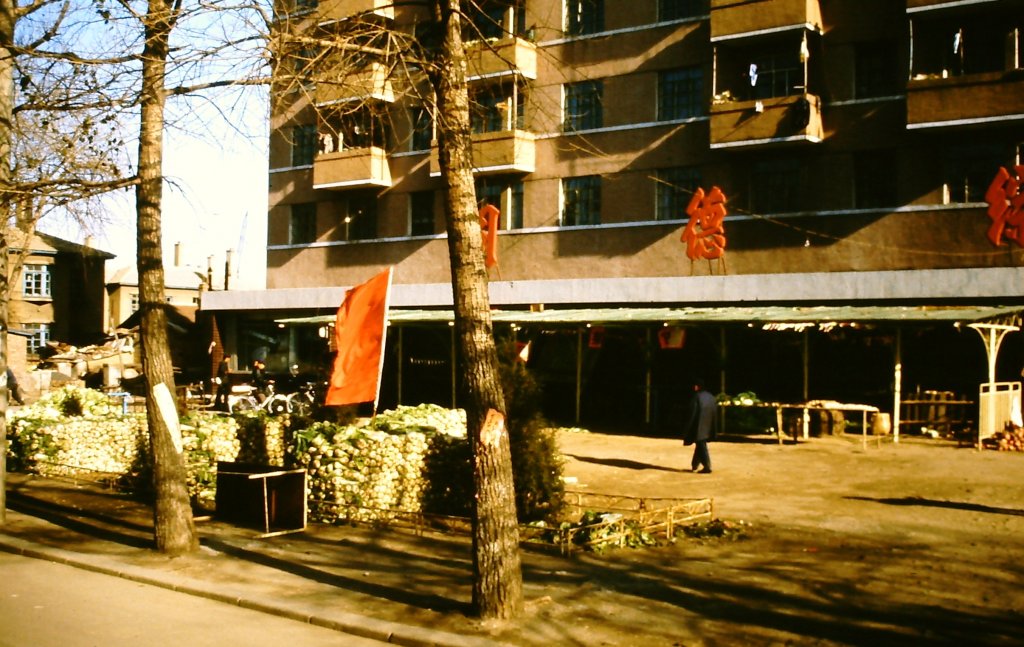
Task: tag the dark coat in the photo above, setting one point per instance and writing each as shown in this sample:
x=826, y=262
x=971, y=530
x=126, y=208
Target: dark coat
x=701, y=413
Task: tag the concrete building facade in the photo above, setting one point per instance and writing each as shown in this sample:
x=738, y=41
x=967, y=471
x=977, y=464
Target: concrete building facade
x=856, y=144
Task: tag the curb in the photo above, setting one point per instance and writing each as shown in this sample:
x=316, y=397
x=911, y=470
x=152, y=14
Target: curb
x=340, y=621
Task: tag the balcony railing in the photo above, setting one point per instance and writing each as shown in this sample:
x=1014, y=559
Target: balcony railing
x=731, y=19
x=355, y=168
x=492, y=58
x=768, y=122
x=328, y=10
x=965, y=100
x=509, y=151
x=371, y=82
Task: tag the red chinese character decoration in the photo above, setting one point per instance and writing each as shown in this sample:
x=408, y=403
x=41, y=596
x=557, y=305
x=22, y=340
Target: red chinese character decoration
x=704, y=235
x=1006, y=207
x=489, y=228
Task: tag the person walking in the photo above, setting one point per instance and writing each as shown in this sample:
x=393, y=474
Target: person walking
x=699, y=426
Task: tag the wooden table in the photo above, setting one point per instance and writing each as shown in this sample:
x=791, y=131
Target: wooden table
x=806, y=408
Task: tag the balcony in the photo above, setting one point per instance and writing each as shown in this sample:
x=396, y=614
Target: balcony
x=371, y=82
x=355, y=168
x=965, y=100
x=330, y=10
x=766, y=122
x=731, y=19
x=491, y=58
x=509, y=151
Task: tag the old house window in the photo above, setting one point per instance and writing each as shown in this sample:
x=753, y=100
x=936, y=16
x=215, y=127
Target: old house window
x=36, y=281
x=40, y=336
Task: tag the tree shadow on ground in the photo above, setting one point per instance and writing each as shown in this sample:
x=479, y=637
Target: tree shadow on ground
x=87, y=522
x=430, y=601
x=939, y=503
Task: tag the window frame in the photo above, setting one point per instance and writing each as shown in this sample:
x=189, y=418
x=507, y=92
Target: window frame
x=40, y=336
x=418, y=203
x=304, y=144
x=769, y=196
x=582, y=106
x=586, y=19
x=37, y=280
x=302, y=225
x=669, y=10
x=682, y=97
x=674, y=188
x=581, y=201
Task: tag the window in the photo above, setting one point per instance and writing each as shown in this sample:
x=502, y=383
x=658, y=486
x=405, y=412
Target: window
x=507, y=196
x=680, y=9
x=963, y=44
x=422, y=129
x=674, y=188
x=489, y=110
x=303, y=145
x=875, y=181
x=875, y=70
x=969, y=171
x=581, y=201
x=421, y=213
x=36, y=281
x=775, y=186
x=302, y=225
x=134, y=302
x=778, y=74
x=680, y=94
x=583, y=105
x=361, y=219
x=584, y=17
x=40, y=335
x=496, y=19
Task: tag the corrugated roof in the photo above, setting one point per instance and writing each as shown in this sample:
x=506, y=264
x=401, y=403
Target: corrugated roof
x=777, y=315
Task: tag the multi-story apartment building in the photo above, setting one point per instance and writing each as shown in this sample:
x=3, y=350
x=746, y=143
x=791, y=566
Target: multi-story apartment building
x=854, y=141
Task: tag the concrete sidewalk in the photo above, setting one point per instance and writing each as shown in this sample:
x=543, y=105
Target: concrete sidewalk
x=83, y=526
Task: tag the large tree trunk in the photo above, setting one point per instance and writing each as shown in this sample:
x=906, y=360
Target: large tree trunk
x=174, y=527
x=497, y=573
x=7, y=22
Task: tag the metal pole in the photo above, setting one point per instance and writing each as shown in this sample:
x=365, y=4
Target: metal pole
x=897, y=382
x=647, y=378
x=579, y=372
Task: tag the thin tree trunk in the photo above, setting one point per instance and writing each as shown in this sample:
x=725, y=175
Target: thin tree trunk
x=7, y=22
x=174, y=526
x=497, y=573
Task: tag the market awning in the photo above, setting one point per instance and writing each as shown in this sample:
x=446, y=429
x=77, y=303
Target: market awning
x=779, y=317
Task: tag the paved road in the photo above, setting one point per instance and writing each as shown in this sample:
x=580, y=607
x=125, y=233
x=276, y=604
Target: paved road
x=43, y=604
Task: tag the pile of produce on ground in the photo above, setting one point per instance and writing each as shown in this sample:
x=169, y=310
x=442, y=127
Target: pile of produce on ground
x=79, y=431
x=376, y=471
x=1010, y=439
x=407, y=461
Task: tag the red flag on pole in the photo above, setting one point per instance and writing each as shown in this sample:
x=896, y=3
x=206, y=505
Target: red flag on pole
x=359, y=331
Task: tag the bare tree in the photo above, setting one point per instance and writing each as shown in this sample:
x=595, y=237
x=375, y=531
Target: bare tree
x=427, y=68
x=52, y=153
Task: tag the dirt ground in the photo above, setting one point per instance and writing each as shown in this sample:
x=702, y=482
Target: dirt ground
x=916, y=543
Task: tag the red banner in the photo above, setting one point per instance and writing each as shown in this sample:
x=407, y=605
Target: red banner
x=359, y=331
x=489, y=228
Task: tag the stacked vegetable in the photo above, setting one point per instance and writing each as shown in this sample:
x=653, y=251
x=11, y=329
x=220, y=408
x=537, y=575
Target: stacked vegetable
x=373, y=472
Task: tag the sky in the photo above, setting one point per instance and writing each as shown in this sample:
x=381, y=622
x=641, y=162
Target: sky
x=215, y=199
